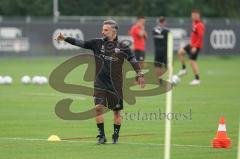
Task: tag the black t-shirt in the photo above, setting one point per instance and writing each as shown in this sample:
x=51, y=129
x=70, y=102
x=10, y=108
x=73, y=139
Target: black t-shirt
x=160, y=35
x=109, y=58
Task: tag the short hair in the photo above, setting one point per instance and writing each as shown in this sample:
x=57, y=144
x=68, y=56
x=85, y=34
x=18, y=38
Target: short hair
x=161, y=19
x=140, y=17
x=112, y=23
x=196, y=11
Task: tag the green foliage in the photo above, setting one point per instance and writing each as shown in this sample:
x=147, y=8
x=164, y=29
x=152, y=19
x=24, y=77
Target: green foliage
x=26, y=7
x=209, y=8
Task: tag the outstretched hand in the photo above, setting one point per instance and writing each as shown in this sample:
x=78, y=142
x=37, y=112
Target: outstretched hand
x=59, y=37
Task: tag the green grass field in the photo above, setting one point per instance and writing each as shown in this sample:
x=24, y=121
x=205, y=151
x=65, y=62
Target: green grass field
x=27, y=116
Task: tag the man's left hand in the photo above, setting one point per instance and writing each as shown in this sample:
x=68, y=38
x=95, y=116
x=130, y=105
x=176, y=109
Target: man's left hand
x=141, y=82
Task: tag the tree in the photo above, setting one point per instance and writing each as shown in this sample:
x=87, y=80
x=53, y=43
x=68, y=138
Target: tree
x=173, y=8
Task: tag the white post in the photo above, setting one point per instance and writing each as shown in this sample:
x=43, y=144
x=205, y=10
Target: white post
x=238, y=151
x=167, y=148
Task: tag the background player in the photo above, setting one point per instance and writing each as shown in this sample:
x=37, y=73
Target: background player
x=160, y=34
x=193, y=48
x=139, y=36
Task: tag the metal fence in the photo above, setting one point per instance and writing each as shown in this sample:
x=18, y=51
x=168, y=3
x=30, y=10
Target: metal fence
x=32, y=36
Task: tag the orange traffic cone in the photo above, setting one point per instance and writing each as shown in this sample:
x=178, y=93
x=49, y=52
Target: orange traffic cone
x=221, y=140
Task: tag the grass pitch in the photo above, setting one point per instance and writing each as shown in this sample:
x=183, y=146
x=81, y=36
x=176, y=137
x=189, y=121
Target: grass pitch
x=27, y=116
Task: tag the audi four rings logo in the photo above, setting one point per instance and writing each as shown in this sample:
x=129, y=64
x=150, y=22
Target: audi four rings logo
x=223, y=39
x=62, y=45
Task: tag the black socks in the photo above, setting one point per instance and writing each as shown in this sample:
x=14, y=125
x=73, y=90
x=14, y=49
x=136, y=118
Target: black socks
x=116, y=129
x=183, y=66
x=197, y=77
x=101, y=129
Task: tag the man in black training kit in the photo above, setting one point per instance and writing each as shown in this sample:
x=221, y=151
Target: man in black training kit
x=160, y=36
x=109, y=57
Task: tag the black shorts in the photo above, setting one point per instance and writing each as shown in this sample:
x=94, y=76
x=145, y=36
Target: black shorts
x=108, y=99
x=140, y=55
x=160, y=59
x=190, y=54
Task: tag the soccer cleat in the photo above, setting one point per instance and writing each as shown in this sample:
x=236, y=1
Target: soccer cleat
x=115, y=139
x=182, y=72
x=101, y=140
x=195, y=82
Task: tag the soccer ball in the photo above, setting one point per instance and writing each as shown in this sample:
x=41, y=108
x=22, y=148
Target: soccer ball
x=44, y=80
x=36, y=79
x=7, y=80
x=1, y=80
x=39, y=80
x=175, y=79
x=26, y=79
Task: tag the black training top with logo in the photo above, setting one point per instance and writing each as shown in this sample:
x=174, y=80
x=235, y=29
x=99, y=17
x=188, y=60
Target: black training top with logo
x=160, y=39
x=109, y=58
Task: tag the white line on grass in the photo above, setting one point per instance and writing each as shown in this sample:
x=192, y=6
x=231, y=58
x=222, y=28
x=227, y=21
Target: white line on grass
x=55, y=95
x=128, y=143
